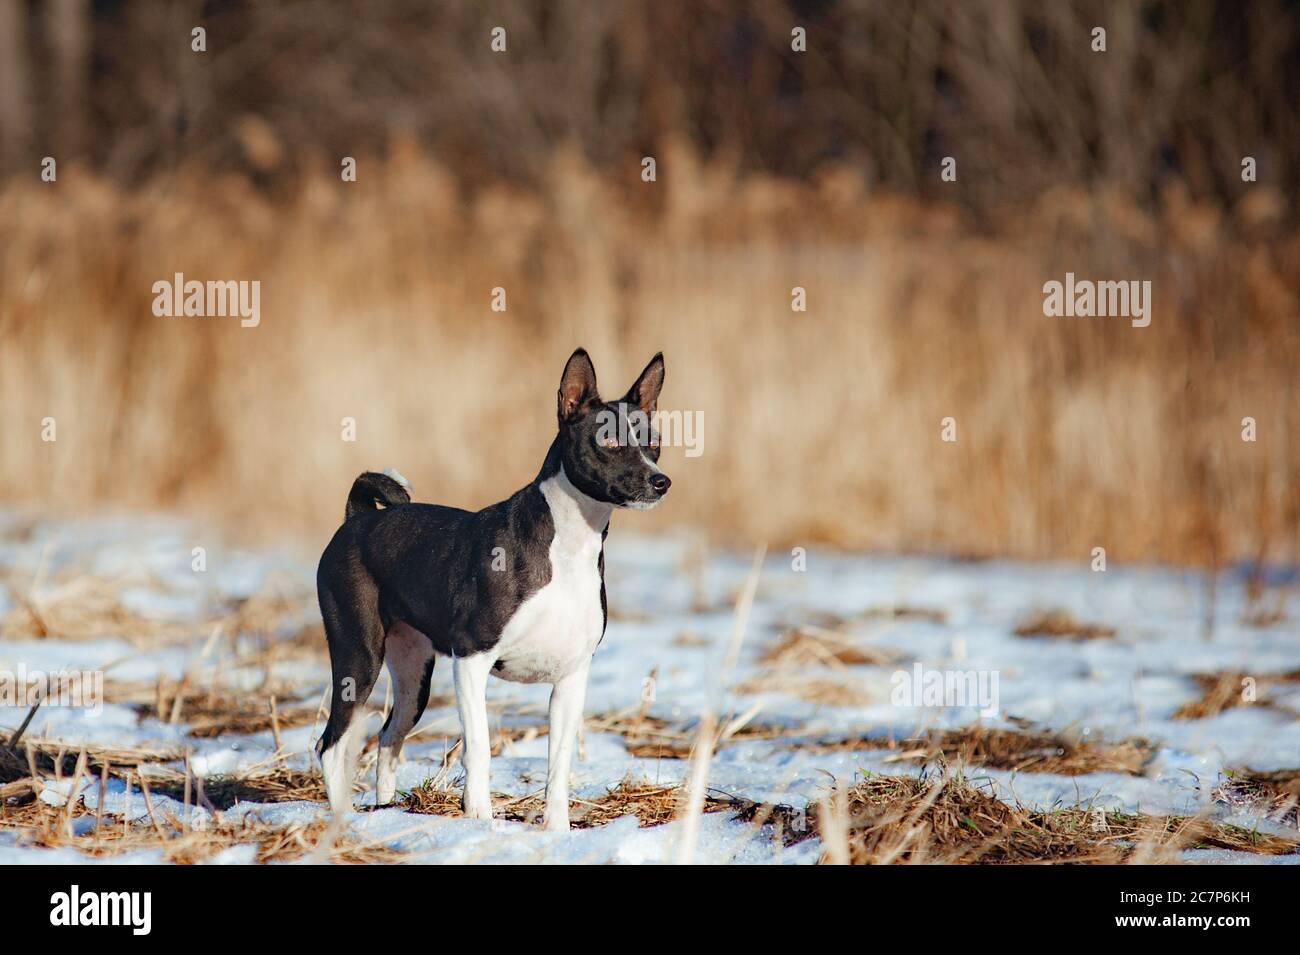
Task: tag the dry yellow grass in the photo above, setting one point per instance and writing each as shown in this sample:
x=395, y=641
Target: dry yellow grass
x=820, y=426
x=651, y=737
x=1031, y=752
x=653, y=804
x=809, y=645
x=1229, y=689
x=811, y=689
x=880, y=820
x=1061, y=623
x=38, y=824
x=948, y=820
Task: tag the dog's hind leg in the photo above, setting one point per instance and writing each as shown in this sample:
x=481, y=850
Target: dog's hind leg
x=356, y=642
x=409, y=656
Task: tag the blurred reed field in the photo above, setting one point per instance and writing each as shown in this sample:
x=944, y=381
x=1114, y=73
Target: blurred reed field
x=523, y=171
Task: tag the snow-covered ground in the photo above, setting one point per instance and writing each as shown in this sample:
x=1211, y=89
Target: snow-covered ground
x=672, y=615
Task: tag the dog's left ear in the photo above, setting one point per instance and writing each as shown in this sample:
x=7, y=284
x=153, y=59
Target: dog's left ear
x=645, y=392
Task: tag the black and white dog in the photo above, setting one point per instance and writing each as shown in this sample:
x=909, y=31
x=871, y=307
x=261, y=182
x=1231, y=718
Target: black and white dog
x=516, y=590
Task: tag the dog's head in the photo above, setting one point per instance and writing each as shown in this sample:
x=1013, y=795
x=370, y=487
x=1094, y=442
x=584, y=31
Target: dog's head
x=609, y=449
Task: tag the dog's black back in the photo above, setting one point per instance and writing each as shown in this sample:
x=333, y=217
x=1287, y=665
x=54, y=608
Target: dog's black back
x=457, y=576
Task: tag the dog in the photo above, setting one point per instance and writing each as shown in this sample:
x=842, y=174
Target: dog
x=516, y=590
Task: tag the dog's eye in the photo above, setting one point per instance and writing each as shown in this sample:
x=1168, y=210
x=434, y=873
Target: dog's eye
x=607, y=442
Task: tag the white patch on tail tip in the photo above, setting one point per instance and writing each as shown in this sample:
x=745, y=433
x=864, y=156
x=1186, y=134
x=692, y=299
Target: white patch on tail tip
x=396, y=475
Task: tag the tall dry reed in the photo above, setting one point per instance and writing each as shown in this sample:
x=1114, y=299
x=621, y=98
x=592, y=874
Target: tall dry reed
x=820, y=427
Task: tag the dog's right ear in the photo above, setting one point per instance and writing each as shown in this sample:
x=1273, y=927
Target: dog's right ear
x=577, y=386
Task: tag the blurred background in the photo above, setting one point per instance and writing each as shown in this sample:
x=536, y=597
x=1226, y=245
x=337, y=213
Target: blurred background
x=774, y=169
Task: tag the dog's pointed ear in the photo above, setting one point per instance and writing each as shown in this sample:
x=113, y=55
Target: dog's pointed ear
x=577, y=385
x=644, y=393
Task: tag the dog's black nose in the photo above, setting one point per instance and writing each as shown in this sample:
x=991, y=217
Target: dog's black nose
x=660, y=483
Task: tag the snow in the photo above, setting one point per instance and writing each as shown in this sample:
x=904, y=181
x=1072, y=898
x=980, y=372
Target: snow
x=1129, y=685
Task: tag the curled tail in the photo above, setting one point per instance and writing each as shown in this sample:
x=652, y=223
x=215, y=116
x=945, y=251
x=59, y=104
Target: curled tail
x=371, y=488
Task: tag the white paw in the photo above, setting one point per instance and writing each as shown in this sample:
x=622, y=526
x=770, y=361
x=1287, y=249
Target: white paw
x=556, y=820
x=476, y=808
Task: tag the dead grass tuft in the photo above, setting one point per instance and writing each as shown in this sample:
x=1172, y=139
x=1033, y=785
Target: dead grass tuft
x=58, y=758
x=187, y=840
x=948, y=820
x=307, y=640
x=433, y=799
x=40, y=759
x=815, y=646
x=906, y=612
x=215, y=711
x=690, y=639
x=1014, y=750
x=1219, y=692
x=820, y=690
x=1265, y=607
x=1275, y=795
x=649, y=737
x=652, y=804
x=507, y=736
x=1227, y=689
x=264, y=613
x=264, y=785
x=1061, y=623
x=1264, y=617
x=85, y=607
x=40, y=824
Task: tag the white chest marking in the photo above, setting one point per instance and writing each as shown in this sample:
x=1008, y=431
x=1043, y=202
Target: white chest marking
x=556, y=629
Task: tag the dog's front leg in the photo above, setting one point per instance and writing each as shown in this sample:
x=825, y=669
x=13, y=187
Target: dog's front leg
x=470, y=675
x=567, y=699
